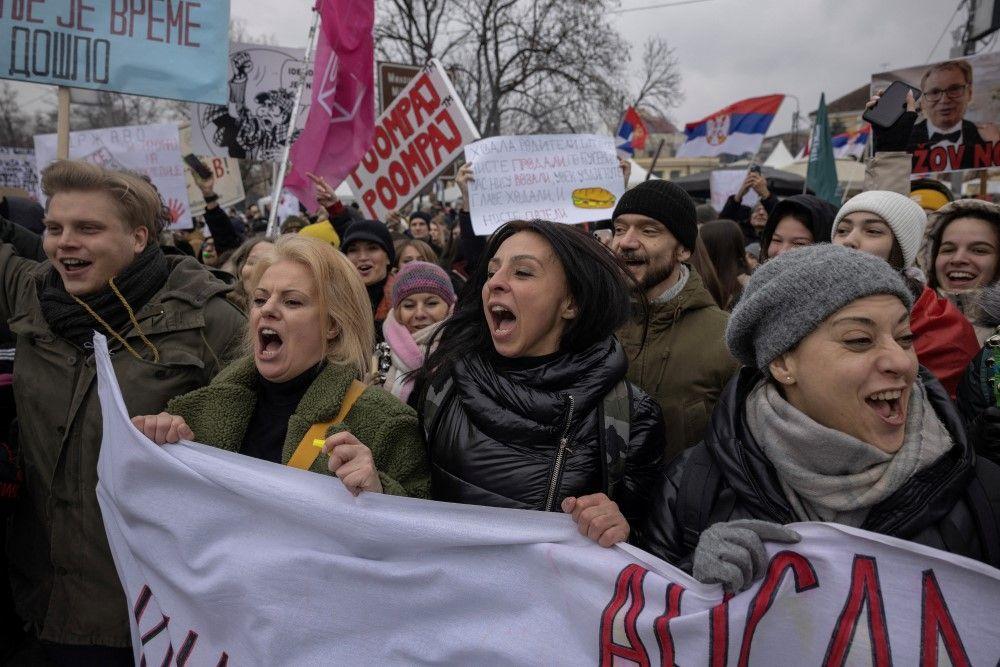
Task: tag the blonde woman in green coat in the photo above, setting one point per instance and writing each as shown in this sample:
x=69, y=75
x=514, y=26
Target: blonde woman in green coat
x=311, y=338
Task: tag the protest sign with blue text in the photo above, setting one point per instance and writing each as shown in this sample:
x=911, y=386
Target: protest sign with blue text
x=175, y=49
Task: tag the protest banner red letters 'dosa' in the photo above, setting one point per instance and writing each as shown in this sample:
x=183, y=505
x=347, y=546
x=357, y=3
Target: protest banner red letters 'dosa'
x=419, y=135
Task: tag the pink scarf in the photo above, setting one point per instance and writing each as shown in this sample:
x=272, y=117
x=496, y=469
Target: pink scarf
x=408, y=352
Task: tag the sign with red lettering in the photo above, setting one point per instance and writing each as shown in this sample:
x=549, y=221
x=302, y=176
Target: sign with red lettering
x=225, y=171
x=416, y=138
x=228, y=558
x=175, y=49
x=957, y=125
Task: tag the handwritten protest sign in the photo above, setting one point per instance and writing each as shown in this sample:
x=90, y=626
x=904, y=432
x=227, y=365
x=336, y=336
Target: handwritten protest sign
x=253, y=124
x=153, y=150
x=725, y=182
x=416, y=138
x=17, y=169
x=959, y=112
x=226, y=171
x=568, y=178
x=174, y=49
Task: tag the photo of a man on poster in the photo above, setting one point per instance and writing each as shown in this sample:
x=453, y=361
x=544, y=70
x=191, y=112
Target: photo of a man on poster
x=938, y=131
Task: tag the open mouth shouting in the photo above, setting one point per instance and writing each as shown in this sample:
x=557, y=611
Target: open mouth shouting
x=889, y=405
x=502, y=321
x=962, y=278
x=365, y=269
x=74, y=267
x=268, y=344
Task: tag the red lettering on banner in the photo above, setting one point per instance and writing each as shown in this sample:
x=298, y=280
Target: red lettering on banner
x=167, y=21
x=804, y=577
x=386, y=193
x=439, y=140
x=661, y=626
x=382, y=143
x=920, y=161
x=865, y=589
x=982, y=156
x=413, y=159
x=399, y=178
x=628, y=585
x=937, y=158
x=935, y=622
x=424, y=106
x=369, y=198
x=718, y=652
x=187, y=646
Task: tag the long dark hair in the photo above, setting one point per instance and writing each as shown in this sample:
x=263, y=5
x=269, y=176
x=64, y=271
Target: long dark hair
x=702, y=263
x=723, y=241
x=601, y=287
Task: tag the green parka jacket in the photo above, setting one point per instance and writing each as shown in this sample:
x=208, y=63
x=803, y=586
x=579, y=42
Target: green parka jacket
x=62, y=575
x=684, y=363
x=219, y=414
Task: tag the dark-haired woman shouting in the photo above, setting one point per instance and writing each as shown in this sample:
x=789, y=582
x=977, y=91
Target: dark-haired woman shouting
x=525, y=402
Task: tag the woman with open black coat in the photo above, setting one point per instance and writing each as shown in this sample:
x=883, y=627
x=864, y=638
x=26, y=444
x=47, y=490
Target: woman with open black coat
x=525, y=402
x=829, y=420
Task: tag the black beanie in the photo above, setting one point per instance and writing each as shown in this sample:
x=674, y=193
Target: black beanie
x=370, y=230
x=666, y=203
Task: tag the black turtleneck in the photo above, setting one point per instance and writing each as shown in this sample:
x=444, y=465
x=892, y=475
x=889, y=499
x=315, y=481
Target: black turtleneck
x=522, y=363
x=276, y=402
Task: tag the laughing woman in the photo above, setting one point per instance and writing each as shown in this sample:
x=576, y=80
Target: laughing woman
x=830, y=420
x=311, y=335
x=525, y=403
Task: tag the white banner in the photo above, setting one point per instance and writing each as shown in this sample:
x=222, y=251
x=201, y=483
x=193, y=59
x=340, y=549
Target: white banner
x=568, y=178
x=230, y=559
x=416, y=138
x=153, y=150
x=254, y=124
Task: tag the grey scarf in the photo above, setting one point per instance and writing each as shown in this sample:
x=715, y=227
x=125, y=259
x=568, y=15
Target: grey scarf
x=828, y=475
x=674, y=290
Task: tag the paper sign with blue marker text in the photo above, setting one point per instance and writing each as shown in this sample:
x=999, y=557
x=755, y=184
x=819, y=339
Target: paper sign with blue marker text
x=567, y=178
x=175, y=49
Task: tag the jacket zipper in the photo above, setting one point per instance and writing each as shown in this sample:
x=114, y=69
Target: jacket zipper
x=554, y=481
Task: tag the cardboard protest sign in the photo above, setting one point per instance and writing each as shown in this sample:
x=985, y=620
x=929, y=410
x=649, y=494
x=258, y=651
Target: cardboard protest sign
x=253, y=124
x=959, y=111
x=17, y=169
x=228, y=180
x=228, y=559
x=175, y=49
x=568, y=178
x=153, y=150
x=416, y=138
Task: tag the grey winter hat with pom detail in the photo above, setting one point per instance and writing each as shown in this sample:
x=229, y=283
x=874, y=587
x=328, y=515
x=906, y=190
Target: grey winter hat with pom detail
x=788, y=297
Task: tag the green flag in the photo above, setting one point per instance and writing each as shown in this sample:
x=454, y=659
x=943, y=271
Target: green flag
x=821, y=177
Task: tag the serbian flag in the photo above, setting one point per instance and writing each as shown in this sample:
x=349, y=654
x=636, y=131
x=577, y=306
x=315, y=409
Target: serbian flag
x=341, y=119
x=632, y=134
x=847, y=144
x=737, y=129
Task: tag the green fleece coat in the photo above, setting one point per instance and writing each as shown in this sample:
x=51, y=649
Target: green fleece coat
x=684, y=363
x=219, y=414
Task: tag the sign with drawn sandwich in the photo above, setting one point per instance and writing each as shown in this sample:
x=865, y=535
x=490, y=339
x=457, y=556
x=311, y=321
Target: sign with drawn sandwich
x=567, y=178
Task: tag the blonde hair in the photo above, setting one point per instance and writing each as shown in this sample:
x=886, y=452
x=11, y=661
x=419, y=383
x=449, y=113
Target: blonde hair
x=137, y=201
x=342, y=296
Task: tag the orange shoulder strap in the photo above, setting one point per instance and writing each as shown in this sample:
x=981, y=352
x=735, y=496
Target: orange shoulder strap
x=312, y=442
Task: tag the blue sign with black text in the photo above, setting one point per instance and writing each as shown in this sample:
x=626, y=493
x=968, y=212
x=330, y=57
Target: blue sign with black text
x=175, y=49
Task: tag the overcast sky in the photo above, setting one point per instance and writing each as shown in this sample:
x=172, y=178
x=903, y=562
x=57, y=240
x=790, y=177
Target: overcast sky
x=733, y=49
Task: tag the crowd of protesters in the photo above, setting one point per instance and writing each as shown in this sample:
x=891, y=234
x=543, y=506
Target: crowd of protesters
x=685, y=381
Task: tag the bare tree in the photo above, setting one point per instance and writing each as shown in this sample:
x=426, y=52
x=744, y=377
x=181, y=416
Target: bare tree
x=531, y=65
x=14, y=125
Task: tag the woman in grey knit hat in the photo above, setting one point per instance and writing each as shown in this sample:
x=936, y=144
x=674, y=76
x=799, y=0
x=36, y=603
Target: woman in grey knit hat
x=831, y=420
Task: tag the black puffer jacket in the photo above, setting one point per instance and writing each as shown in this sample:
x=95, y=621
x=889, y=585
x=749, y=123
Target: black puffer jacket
x=496, y=436
x=953, y=505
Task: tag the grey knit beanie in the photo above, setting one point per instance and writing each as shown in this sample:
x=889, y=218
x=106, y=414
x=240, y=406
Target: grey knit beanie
x=789, y=296
x=903, y=215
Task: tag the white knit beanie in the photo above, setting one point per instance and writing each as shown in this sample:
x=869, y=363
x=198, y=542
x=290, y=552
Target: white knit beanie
x=903, y=215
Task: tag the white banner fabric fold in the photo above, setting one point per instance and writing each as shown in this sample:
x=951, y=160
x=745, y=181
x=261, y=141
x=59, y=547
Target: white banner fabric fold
x=227, y=559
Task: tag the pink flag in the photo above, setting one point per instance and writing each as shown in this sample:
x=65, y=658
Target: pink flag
x=341, y=118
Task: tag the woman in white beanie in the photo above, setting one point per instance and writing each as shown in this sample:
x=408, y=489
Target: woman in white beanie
x=891, y=226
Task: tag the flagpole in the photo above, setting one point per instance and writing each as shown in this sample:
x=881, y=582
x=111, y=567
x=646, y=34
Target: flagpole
x=272, y=221
x=805, y=181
